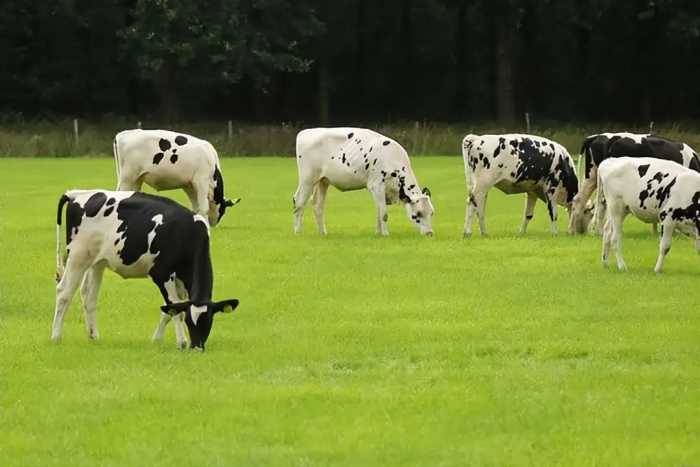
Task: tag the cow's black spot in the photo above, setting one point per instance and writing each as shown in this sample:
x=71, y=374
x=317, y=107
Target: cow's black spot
x=643, y=195
x=487, y=163
x=367, y=166
x=180, y=140
x=350, y=135
x=642, y=169
x=109, y=211
x=95, y=203
x=111, y=201
x=664, y=192
x=173, y=158
x=157, y=158
x=375, y=161
x=370, y=149
x=116, y=241
x=385, y=143
x=164, y=144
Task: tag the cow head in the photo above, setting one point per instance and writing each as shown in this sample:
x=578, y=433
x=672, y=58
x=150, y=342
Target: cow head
x=217, y=202
x=580, y=218
x=419, y=210
x=199, y=318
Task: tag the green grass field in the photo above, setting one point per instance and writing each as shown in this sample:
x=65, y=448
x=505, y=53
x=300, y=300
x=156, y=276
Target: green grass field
x=352, y=349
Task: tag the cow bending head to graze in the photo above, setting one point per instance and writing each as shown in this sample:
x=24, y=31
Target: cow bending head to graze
x=137, y=235
x=166, y=160
x=516, y=163
x=598, y=148
x=356, y=158
x=653, y=190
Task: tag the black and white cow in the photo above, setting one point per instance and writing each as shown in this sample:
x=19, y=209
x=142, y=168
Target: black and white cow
x=137, y=235
x=352, y=159
x=166, y=160
x=653, y=190
x=597, y=148
x=516, y=163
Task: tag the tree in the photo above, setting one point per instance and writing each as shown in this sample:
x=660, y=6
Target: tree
x=218, y=41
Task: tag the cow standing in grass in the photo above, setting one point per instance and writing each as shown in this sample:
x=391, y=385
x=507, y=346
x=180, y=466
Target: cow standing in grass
x=352, y=159
x=597, y=148
x=137, y=235
x=165, y=160
x=516, y=163
x=653, y=190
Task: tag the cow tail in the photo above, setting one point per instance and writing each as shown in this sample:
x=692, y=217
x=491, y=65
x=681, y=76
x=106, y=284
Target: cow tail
x=116, y=156
x=599, y=204
x=586, y=154
x=59, y=258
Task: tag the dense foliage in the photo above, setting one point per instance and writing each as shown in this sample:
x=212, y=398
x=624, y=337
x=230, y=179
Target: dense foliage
x=321, y=60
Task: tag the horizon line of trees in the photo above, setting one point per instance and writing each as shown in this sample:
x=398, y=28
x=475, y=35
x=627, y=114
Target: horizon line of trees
x=328, y=61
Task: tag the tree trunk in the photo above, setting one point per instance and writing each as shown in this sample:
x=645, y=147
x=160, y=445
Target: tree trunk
x=503, y=49
x=167, y=92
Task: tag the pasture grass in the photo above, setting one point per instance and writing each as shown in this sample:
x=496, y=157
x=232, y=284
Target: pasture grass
x=353, y=349
x=55, y=139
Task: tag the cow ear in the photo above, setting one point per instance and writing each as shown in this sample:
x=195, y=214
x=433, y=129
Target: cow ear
x=232, y=202
x=224, y=306
x=175, y=308
x=426, y=191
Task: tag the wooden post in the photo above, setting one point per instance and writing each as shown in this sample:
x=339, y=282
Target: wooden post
x=527, y=122
x=138, y=124
x=230, y=130
x=651, y=127
x=76, y=134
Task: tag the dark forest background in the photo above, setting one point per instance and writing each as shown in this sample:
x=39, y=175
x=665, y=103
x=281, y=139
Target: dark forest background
x=347, y=60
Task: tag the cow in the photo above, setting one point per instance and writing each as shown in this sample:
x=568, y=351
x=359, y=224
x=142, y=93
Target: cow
x=596, y=148
x=137, y=235
x=165, y=160
x=653, y=190
x=352, y=159
x=516, y=163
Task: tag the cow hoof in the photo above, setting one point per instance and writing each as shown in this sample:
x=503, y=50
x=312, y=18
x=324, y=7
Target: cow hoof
x=467, y=235
x=182, y=345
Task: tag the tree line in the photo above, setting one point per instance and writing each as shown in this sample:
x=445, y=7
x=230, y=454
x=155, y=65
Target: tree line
x=352, y=60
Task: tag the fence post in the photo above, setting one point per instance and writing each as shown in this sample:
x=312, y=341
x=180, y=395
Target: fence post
x=230, y=130
x=527, y=122
x=76, y=134
x=651, y=127
x=138, y=124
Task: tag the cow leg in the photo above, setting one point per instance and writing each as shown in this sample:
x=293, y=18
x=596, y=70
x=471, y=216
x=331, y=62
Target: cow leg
x=301, y=197
x=664, y=246
x=65, y=290
x=529, y=211
x=655, y=229
x=552, y=209
x=88, y=293
x=172, y=293
x=616, y=219
x=476, y=203
x=379, y=194
x=607, y=238
x=319, y=205
x=192, y=195
x=599, y=214
x=129, y=184
x=160, y=330
x=201, y=190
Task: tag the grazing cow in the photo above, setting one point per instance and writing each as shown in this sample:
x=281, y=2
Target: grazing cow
x=352, y=159
x=653, y=190
x=597, y=148
x=137, y=235
x=166, y=160
x=517, y=164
